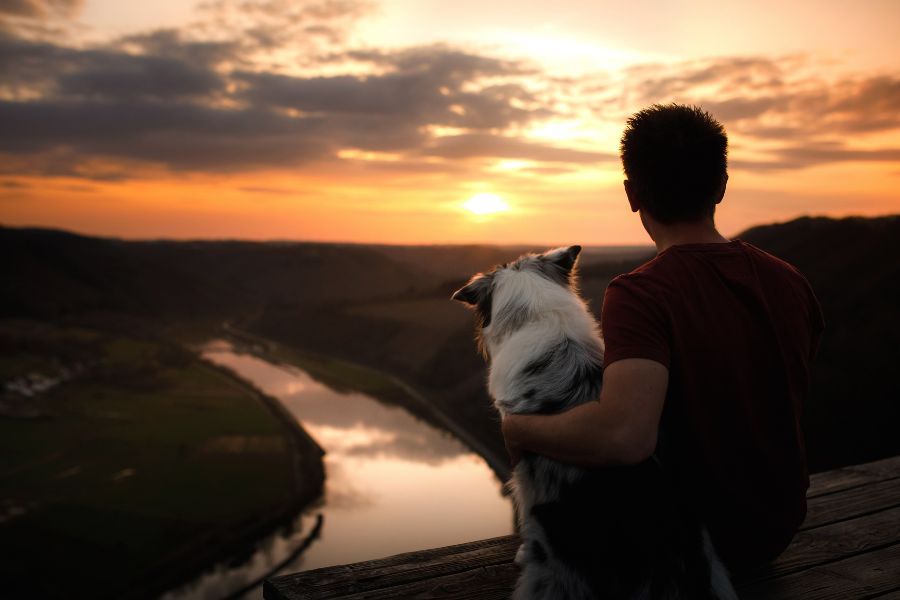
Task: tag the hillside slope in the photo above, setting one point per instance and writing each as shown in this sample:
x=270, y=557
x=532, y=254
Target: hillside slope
x=388, y=307
x=853, y=265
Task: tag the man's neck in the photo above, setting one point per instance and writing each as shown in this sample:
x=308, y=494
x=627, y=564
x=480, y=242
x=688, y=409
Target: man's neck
x=701, y=232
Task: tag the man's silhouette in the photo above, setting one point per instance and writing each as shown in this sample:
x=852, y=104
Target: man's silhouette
x=708, y=351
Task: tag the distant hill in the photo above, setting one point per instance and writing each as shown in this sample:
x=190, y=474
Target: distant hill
x=853, y=265
x=388, y=307
x=49, y=273
x=462, y=261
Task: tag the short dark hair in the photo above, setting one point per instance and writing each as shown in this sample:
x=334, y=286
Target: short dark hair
x=676, y=158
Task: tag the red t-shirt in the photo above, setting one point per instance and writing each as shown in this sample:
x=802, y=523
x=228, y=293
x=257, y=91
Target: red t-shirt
x=737, y=329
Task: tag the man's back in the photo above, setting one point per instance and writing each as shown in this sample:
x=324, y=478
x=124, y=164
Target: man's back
x=737, y=329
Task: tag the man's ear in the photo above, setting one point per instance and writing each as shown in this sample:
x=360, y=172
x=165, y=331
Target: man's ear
x=471, y=292
x=632, y=196
x=722, y=191
x=564, y=257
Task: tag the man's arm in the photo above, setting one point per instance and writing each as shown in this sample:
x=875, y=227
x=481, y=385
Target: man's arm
x=620, y=428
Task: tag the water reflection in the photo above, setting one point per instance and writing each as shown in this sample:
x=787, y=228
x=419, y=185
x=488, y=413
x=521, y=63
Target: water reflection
x=393, y=483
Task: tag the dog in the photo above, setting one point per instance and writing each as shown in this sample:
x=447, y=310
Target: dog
x=614, y=532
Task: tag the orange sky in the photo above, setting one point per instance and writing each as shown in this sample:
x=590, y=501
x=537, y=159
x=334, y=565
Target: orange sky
x=363, y=121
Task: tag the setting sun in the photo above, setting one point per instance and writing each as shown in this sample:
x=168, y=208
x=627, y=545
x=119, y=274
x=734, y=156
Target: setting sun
x=485, y=204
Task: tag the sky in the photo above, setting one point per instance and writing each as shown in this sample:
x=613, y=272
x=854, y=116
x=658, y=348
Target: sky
x=426, y=121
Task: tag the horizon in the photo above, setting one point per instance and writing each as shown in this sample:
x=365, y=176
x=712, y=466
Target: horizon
x=648, y=244
x=410, y=122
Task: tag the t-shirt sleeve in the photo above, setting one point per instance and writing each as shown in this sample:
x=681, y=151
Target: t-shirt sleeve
x=817, y=321
x=633, y=323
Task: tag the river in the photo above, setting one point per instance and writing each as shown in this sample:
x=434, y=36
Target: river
x=393, y=483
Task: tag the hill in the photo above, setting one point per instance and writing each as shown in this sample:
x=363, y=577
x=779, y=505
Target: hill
x=852, y=264
x=388, y=307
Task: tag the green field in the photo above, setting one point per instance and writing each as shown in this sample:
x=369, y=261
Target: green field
x=131, y=471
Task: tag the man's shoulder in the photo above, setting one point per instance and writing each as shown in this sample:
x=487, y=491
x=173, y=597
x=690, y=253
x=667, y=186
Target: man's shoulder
x=667, y=272
x=646, y=275
x=775, y=264
x=646, y=284
x=767, y=256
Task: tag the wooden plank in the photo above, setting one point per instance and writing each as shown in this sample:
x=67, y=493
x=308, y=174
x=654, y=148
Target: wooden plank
x=491, y=582
x=853, y=476
x=852, y=502
x=852, y=520
x=860, y=576
x=829, y=543
x=891, y=595
x=335, y=582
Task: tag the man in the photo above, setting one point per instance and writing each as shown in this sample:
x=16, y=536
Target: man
x=708, y=351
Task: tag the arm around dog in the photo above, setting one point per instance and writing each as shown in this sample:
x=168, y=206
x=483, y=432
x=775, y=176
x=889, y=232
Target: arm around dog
x=619, y=429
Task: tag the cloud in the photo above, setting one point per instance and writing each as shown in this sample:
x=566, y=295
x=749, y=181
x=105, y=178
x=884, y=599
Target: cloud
x=264, y=26
x=797, y=157
x=13, y=185
x=188, y=104
x=40, y=9
x=481, y=145
x=651, y=83
x=175, y=44
x=181, y=136
x=424, y=86
x=754, y=93
x=259, y=84
x=779, y=100
x=127, y=77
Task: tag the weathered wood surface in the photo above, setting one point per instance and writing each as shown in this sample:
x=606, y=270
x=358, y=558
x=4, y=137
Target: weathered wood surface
x=848, y=548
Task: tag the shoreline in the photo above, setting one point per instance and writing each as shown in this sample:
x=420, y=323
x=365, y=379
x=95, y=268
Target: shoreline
x=306, y=465
x=308, y=476
x=497, y=463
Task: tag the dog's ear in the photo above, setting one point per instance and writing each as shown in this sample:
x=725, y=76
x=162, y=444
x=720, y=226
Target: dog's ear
x=564, y=257
x=472, y=292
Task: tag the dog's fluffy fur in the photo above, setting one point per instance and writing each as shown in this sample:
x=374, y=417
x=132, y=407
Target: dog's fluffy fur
x=616, y=532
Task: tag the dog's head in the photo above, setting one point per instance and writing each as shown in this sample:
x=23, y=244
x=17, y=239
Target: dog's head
x=509, y=295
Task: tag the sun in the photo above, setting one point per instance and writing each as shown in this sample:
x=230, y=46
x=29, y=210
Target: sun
x=485, y=204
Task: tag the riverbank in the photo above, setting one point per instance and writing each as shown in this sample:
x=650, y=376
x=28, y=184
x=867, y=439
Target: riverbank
x=340, y=373
x=144, y=468
x=388, y=474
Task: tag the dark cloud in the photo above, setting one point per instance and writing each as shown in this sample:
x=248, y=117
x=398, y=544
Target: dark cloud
x=327, y=9
x=30, y=67
x=290, y=10
x=28, y=63
x=780, y=101
x=754, y=93
x=798, y=157
x=284, y=25
x=40, y=9
x=126, y=77
x=443, y=61
x=172, y=101
x=13, y=185
x=178, y=135
x=654, y=82
x=212, y=97
x=426, y=86
x=174, y=44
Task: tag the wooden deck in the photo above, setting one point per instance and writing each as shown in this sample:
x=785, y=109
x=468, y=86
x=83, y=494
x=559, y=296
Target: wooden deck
x=848, y=548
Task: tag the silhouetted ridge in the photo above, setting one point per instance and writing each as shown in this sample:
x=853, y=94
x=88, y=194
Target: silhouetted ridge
x=388, y=307
x=852, y=264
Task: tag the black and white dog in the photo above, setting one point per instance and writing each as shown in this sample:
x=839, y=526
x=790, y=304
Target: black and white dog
x=611, y=533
